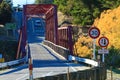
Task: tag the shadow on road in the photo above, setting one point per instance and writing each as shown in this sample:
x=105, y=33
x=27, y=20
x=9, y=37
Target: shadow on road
x=15, y=69
x=53, y=63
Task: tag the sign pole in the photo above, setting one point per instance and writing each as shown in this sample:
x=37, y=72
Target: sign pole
x=94, y=48
x=94, y=33
x=103, y=56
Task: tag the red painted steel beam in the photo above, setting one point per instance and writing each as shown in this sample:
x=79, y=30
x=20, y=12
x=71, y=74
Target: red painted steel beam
x=36, y=9
x=50, y=12
x=65, y=38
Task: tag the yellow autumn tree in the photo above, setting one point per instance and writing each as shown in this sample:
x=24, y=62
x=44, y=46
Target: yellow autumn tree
x=109, y=25
x=83, y=47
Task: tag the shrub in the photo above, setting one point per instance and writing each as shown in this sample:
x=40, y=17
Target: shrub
x=8, y=49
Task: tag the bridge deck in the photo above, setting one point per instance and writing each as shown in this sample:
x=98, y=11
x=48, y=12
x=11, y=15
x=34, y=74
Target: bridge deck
x=45, y=63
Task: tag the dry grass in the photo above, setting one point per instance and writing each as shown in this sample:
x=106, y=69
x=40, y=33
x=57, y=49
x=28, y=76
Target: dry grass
x=114, y=75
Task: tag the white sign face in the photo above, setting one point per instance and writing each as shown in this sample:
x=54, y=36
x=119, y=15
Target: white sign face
x=103, y=51
x=103, y=42
x=94, y=32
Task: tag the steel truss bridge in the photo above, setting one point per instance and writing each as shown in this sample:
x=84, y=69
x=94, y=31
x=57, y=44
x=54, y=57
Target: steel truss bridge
x=44, y=48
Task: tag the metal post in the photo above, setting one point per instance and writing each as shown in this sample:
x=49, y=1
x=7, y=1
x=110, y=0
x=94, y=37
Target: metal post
x=103, y=56
x=30, y=69
x=68, y=74
x=26, y=47
x=19, y=44
x=111, y=73
x=94, y=48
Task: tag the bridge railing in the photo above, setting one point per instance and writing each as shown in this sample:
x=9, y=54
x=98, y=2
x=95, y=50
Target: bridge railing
x=65, y=38
x=12, y=63
x=59, y=49
x=84, y=60
x=98, y=73
x=64, y=44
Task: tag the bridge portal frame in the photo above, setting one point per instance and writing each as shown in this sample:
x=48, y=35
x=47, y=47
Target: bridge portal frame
x=50, y=13
x=36, y=10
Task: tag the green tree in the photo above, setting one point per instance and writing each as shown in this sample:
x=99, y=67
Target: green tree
x=5, y=12
x=1, y=1
x=84, y=12
x=43, y=1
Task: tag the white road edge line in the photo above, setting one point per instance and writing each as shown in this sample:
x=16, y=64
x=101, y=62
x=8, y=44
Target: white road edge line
x=49, y=73
x=21, y=78
x=52, y=50
x=61, y=57
x=75, y=70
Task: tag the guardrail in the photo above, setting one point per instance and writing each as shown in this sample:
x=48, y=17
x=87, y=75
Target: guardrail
x=96, y=73
x=59, y=49
x=84, y=60
x=66, y=53
x=11, y=63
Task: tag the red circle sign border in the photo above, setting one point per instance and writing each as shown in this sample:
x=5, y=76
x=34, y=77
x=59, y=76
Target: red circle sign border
x=106, y=39
x=97, y=30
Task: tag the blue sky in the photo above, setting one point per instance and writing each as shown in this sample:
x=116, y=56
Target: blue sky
x=22, y=2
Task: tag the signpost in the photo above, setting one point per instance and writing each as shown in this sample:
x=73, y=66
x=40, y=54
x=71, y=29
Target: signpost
x=94, y=33
x=103, y=42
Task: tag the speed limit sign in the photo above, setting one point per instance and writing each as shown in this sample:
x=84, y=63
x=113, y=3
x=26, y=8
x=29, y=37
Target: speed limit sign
x=94, y=32
x=103, y=41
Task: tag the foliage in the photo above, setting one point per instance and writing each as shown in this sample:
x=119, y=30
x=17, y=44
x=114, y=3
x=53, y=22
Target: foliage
x=83, y=47
x=113, y=59
x=5, y=12
x=2, y=31
x=109, y=25
x=43, y=1
x=8, y=49
x=84, y=12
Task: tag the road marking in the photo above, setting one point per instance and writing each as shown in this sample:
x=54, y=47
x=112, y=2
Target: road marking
x=49, y=73
x=71, y=67
x=22, y=77
x=52, y=51
x=61, y=57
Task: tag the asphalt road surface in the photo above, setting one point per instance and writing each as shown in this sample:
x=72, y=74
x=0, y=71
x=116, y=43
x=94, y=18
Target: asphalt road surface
x=45, y=62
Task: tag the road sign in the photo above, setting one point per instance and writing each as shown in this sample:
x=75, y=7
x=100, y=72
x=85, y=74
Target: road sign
x=0, y=55
x=10, y=26
x=103, y=41
x=103, y=51
x=94, y=32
